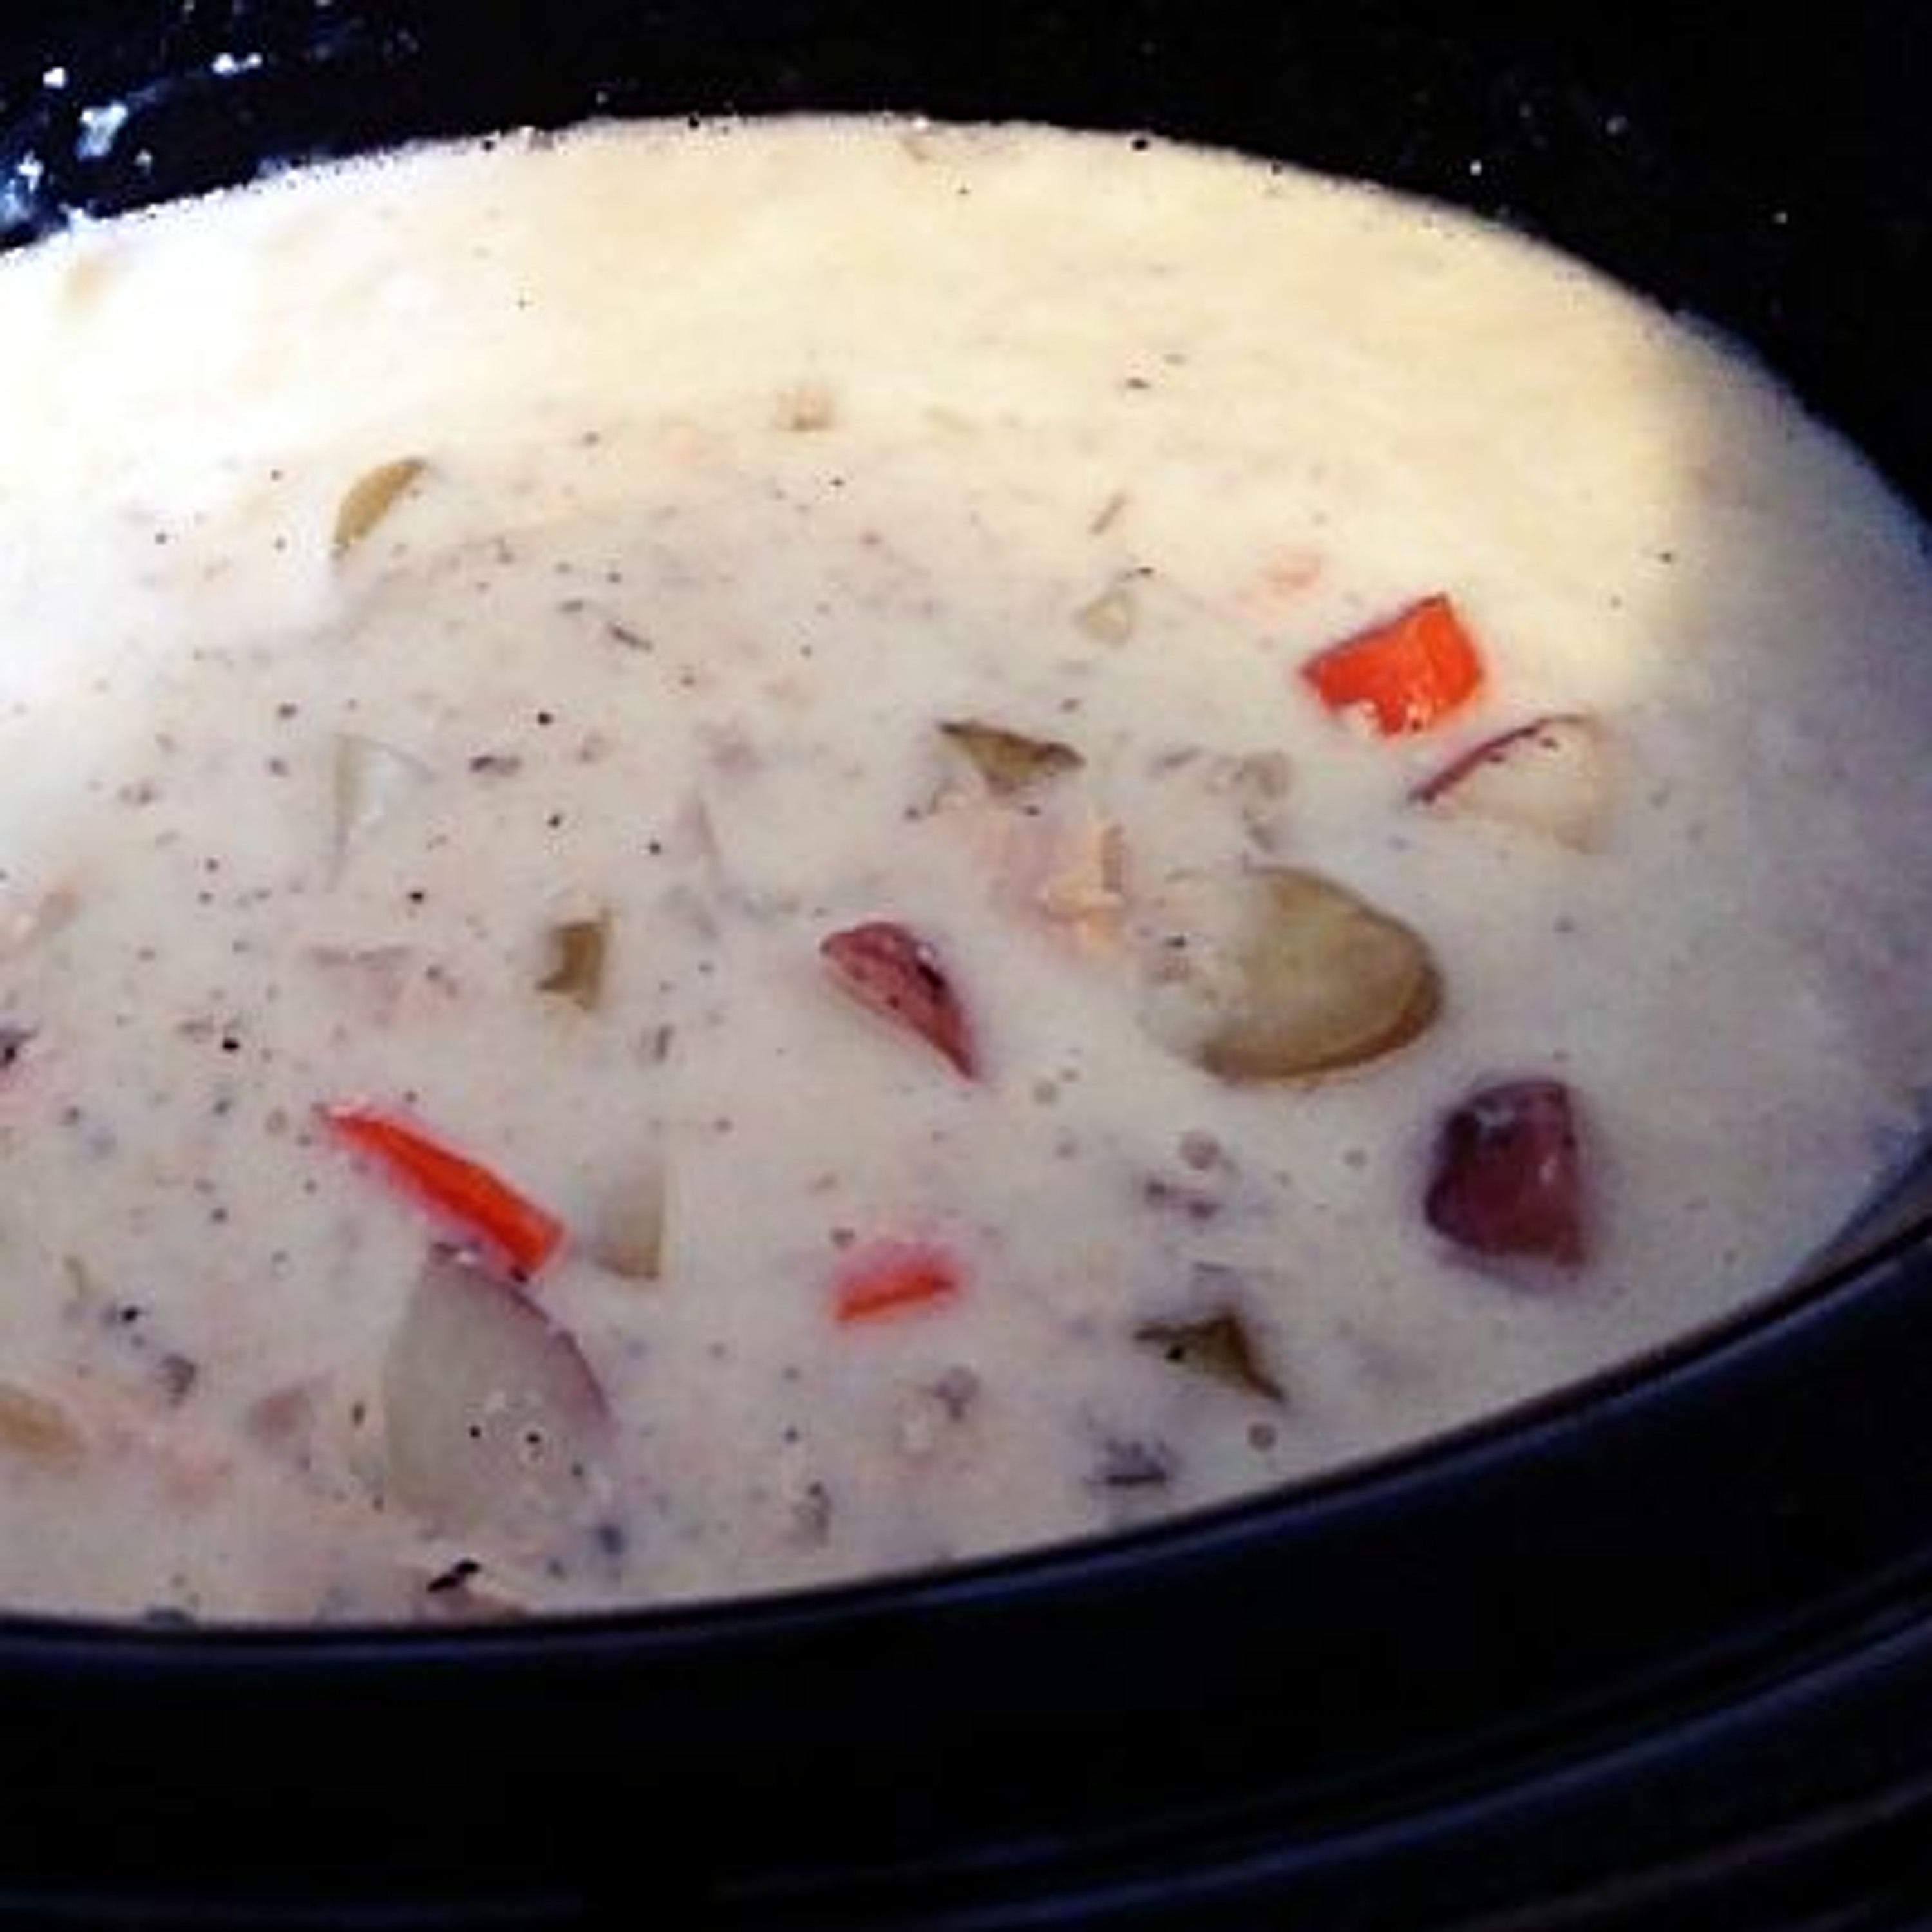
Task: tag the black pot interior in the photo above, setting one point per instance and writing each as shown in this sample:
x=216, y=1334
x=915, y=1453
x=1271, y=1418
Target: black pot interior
x=1286, y=1694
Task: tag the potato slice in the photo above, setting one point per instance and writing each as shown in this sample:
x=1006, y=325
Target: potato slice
x=493, y=1420
x=1010, y=762
x=1279, y=973
x=1551, y=777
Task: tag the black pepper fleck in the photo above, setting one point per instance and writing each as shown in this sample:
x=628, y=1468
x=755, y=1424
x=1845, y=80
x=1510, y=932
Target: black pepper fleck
x=459, y=1572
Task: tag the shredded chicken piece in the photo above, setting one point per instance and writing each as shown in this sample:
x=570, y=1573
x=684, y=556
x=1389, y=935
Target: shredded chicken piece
x=23, y=920
x=192, y=1465
x=1064, y=868
x=1081, y=889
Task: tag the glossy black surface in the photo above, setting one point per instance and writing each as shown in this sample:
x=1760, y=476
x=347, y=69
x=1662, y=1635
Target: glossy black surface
x=1665, y=1641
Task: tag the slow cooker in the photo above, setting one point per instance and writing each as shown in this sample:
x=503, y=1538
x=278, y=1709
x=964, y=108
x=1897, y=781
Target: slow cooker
x=1656, y=1651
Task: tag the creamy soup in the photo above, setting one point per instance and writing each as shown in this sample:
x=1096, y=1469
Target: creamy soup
x=731, y=857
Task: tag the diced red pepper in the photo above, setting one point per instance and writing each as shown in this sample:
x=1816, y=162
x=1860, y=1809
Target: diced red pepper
x=1407, y=673
x=475, y=1201
x=892, y=1277
x=889, y=968
x=1508, y=1174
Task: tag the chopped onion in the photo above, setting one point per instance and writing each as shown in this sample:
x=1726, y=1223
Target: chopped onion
x=580, y=950
x=809, y=409
x=1008, y=761
x=375, y=977
x=1113, y=616
x=370, y=498
x=627, y=1240
x=373, y=781
x=1216, y=1341
x=41, y=1430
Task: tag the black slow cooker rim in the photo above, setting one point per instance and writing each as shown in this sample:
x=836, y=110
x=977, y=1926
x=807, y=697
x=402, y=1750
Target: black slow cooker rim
x=1778, y=1702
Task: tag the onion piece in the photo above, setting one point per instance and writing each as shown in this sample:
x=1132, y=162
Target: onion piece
x=373, y=781
x=1217, y=1345
x=580, y=950
x=369, y=498
x=1010, y=762
x=37, y=1429
x=375, y=979
x=493, y=1419
x=628, y=1237
x=1111, y=616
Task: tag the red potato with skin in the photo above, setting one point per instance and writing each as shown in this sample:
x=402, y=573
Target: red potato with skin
x=493, y=1419
x=1551, y=777
x=1508, y=1177
x=888, y=968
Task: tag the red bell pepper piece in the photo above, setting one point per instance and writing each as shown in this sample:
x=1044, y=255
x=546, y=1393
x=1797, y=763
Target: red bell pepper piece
x=891, y=1277
x=469, y=1196
x=1407, y=673
x=889, y=968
